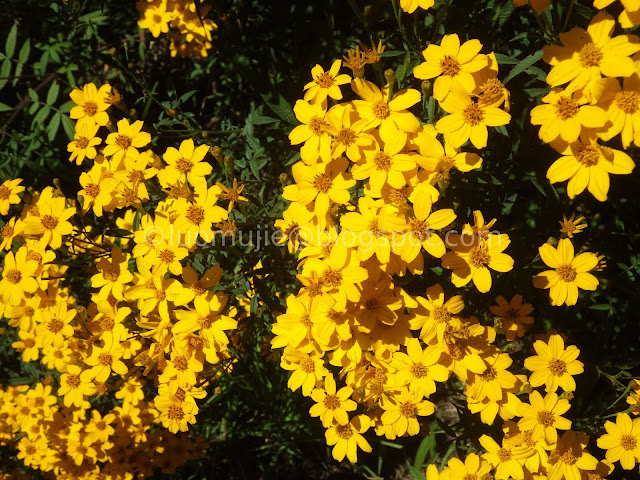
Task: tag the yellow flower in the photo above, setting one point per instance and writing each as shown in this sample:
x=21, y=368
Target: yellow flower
x=97, y=190
x=493, y=380
x=571, y=226
x=439, y=159
x=569, y=272
x=53, y=325
x=308, y=368
x=84, y=143
x=473, y=468
x=391, y=116
x=313, y=133
x=18, y=277
x=91, y=105
x=401, y=410
x=586, y=164
x=9, y=191
x=332, y=405
x=410, y=6
x=113, y=275
x=126, y=141
x=185, y=163
x=468, y=120
x=588, y=55
x=553, y=366
x=452, y=64
x=155, y=17
x=570, y=457
x=513, y=316
x=232, y=194
x=325, y=83
x=543, y=416
x=506, y=459
x=347, y=438
x=623, y=108
x=104, y=360
x=433, y=314
x=418, y=368
x=622, y=441
x=565, y=115
x=51, y=221
x=471, y=259
x=28, y=345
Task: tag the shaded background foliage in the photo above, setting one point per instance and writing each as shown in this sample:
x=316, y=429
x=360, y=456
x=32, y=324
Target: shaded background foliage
x=239, y=98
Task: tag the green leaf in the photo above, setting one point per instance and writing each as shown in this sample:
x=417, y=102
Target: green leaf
x=69, y=126
x=33, y=95
x=42, y=115
x=282, y=109
x=5, y=71
x=4, y=107
x=54, y=90
x=523, y=65
x=25, y=50
x=602, y=307
x=54, y=125
x=10, y=46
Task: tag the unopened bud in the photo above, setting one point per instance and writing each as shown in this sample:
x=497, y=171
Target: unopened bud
x=217, y=153
x=228, y=163
x=284, y=178
x=133, y=112
x=568, y=395
x=426, y=87
x=527, y=388
x=368, y=10
x=171, y=112
x=112, y=52
x=390, y=76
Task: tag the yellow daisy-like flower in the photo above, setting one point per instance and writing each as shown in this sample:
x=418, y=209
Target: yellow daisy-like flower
x=565, y=115
x=586, y=164
x=18, y=277
x=348, y=438
x=411, y=6
x=506, y=459
x=126, y=141
x=453, y=64
x=473, y=468
x=401, y=410
x=9, y=191
x=331, y=404
x=325, y=83
x=623, y=108
x=554, y=366
x=513, y=316
x=468, y=120
x=622, y=441
x=589, y=55
x=569, y=272
x=571, y=225
x=91, y=104
x=155, y=17
x=570, y=457
x=418, y=368
x=312, y=133
x=185, y=163
x=84, y=143
x=543, y=416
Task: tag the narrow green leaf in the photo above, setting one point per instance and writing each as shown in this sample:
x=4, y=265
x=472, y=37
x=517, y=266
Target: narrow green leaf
x=10, y=46
x=282, y=109
x=68, y=126
x=523, y=65
x=4, y=107
x=25, y=50
x=53, y=93
x=5, y=71
x=33, y=95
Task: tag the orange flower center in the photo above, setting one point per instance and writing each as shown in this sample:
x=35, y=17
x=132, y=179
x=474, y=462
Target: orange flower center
x=408, y=409
x=479, y=257
x=105, y=359
x=628, y=101
x=49, y=222
x=382, y=161
x=473, y=114
x=489, y=374
x=13, y=276
x=590, y=55
x=557, y=367
x=167, y=256
x=322, y=183
x=195, y=214
x=381, y=110
x=568, y=457
x=92, y=190
x=7, y=231
x=371, y=304
x=567, y=108
x=308, y=365
x=73, y=380
x=346, y=136
x=441, y=314
x=450, y=66
x=181, y=363
x=316, y=124
x=90, y=108
x=332, y=278
x=566, y=273
x=174, y=412
x=546, y=418
x=29, y=342
x=628, y=442
x=344, y=431
x=419, y=370
x=504, y=455
x=325, y=80
x=82, y=142
x=55, y=325
x=588, y=155
x=419, y=229
x=123, y=141
x=331, y=402
x=493, y=86
x=5, y=192
x=184, y=166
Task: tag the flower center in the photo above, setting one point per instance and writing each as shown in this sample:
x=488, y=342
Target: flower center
x=55, y=325
x=346, y=136
x=408, y=409
x=590, y=55
x=473, y=114
x=628, y=101
x=332, y=277
x=504, y=455
x=195, y=214
x=588, y=155
x=82, y=142
x=111, y=275
x=316, y=124
x=567, y=108
x=566, y=273
x=322, y=183
x=489, y=374
x=181, y=363
x=90, y=108
x=557, y=367
x=382, y=161
x=371, y=304
x=325, y=80
x=123, y=141
x=344, y=431
x=73, y=381
x=440, y=314
x=29, y=342
x=546, y=418
x=5, y=192
x=184, y=166
x=381, y=110
x=13, y=276
x=49, y=222
x=419, y=229
x=568, y=457
x=479, y=257
x=450, y=66
x=174, y=412
x=105, y=359
x=92, y=190
x=419, y=370
x=493, y=86
x=375, y=230
x=331, y=402
x=628, y=442
x=307, y=365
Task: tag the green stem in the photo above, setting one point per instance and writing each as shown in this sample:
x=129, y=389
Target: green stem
x=569, y=11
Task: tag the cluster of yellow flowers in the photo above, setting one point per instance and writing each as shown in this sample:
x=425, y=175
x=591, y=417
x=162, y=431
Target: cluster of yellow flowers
x=192, y=35
x=150, y=320
x=592, y=106
x=360, y=214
